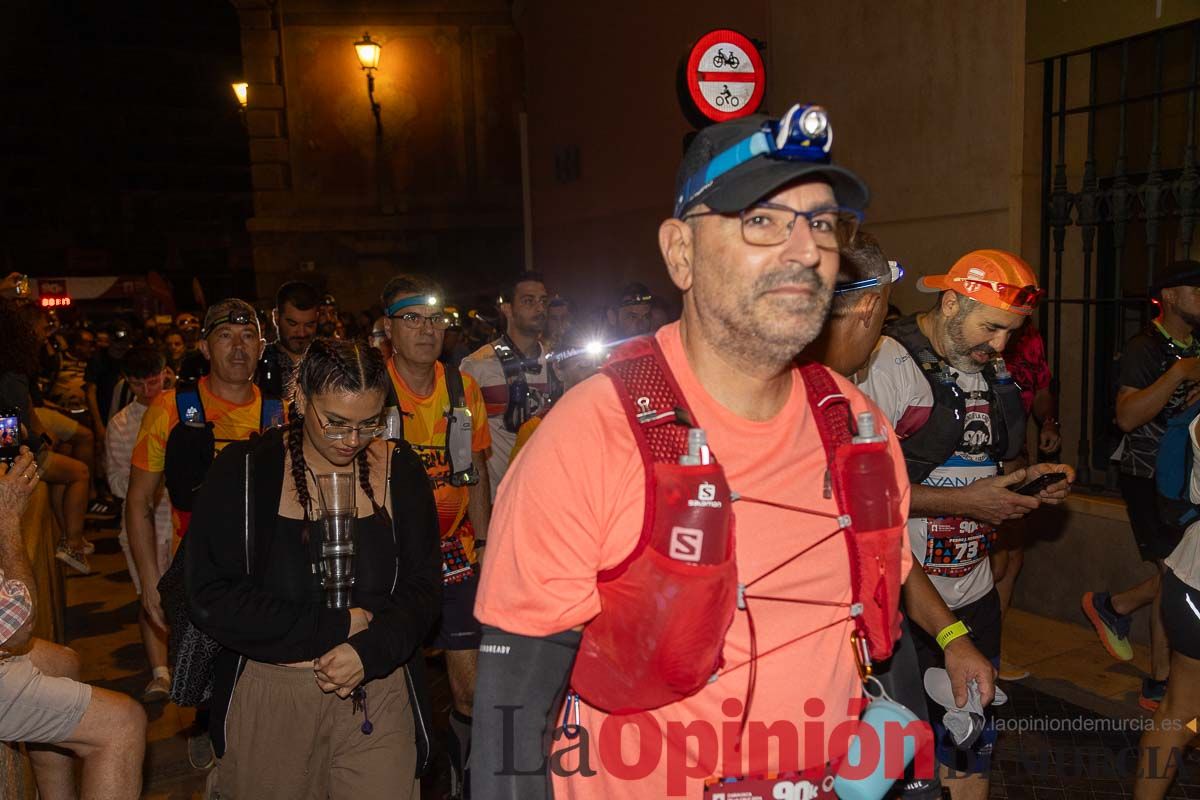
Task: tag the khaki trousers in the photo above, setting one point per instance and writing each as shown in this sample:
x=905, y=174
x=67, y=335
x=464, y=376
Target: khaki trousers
x=285, y=738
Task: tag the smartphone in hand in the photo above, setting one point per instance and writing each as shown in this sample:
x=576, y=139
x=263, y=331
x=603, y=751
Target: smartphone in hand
x=1041, y=482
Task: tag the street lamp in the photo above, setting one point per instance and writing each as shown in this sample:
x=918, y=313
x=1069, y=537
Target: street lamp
x=240, y=91
x=368, y=58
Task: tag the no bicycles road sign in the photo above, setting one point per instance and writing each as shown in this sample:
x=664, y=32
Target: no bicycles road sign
x=725, y=75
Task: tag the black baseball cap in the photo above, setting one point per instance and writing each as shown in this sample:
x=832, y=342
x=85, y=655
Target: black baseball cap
x=1178, y=273
x=747, y=183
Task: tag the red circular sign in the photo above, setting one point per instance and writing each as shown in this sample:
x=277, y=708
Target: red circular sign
x=725, y=75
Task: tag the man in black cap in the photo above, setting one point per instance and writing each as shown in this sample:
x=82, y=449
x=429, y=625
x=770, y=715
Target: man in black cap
x=1159, y=379
x=753, y=246
x=629, y=316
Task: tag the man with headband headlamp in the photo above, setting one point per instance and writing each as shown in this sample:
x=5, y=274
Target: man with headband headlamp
x=444, y=420
x=181, y=433
x=760, y=215
x=939, y=377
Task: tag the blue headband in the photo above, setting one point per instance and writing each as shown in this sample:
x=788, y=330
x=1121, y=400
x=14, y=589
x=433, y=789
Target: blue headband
x=405, y=302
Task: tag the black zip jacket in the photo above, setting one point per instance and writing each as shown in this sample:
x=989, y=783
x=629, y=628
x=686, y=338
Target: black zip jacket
x=250, y=621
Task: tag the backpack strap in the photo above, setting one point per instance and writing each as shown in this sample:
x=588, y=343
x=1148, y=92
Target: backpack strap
x=454, y=387
x=831, y=409
x=511, y=360
x=833, y=414
x=658, y=416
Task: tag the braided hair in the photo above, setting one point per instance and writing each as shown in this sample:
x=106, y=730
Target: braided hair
x=332, y=365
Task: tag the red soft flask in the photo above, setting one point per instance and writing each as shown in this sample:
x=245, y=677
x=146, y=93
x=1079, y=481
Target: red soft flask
x=867, y=476
x=659, y=636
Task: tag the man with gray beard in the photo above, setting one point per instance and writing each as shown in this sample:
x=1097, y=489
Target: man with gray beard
x=753, y=246
x=939, y=379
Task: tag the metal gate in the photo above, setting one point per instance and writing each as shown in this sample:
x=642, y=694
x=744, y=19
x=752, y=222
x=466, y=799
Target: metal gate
x=1133, y=209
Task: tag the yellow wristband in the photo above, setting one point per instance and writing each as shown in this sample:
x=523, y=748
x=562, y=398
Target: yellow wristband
x=951, y=632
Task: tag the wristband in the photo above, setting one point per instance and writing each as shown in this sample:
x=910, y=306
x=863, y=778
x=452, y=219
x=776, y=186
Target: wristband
x=948, y=634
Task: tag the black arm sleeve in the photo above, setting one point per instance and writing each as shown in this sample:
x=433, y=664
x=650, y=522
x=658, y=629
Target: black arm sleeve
x=401, y=624
x=518, y=690
x=223, y=601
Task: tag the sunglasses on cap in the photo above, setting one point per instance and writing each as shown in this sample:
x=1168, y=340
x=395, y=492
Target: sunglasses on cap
x=895, y=273
x=636, y=299
x=802, y=134
x=1016, y=296
x=235, y=317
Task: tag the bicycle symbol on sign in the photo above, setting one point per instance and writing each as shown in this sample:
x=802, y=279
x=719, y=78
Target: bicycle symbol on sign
x=721, y=59
x=727, y=98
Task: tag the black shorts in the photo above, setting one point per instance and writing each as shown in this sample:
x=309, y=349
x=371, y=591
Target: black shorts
x=983, y=618
x=1181, y=615
x=458, y=629
x=1155, y=541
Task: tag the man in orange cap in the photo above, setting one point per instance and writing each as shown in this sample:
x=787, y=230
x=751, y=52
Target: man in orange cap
x=940, y=379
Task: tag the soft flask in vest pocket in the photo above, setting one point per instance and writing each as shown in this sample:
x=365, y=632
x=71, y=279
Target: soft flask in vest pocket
x=864, y=476
x=665, y=610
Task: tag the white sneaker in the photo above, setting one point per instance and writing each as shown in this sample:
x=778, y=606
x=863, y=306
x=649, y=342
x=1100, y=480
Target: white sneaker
x=75, y=559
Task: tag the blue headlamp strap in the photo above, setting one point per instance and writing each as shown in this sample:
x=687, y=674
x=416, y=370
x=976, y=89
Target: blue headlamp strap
x=406, y=302
x=895, y=273
x=802, y=134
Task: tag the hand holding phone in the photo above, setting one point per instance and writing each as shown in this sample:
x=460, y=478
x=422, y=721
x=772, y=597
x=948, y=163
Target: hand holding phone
x=1044, y=481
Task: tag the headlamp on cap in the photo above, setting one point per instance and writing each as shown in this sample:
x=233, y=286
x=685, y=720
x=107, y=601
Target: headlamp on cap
x=237, y=316
x=804, y=133
x=636, y=299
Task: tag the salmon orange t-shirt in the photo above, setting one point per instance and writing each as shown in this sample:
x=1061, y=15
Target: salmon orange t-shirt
x=572, y=506
x=231, y=423
x=425, y=430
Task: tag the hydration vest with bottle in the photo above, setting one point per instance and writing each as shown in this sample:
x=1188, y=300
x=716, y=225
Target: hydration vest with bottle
x=928, y=448
x=459, y=428
x=665, y=609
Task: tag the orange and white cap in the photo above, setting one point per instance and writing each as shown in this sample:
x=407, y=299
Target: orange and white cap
x=992, y=277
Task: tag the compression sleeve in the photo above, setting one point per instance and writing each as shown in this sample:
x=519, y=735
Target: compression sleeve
x=518, y=692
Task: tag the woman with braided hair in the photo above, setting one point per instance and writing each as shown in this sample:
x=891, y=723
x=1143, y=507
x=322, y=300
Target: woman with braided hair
x=287, y=721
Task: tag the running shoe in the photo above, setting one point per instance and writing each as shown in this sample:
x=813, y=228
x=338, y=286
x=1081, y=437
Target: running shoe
x=1113, y=629
x=103, y=509
x=75, y=559
x=200, y=751
x=157, y=690
x=1012, y=672
x=1152, y=693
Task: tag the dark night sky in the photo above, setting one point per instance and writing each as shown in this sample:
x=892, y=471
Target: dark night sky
x=121, y=148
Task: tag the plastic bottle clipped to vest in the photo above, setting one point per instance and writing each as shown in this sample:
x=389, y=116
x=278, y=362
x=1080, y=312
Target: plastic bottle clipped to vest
x=696, y=499
x=870, y=479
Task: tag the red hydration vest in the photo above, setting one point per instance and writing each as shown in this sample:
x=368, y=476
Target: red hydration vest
x=665, y=609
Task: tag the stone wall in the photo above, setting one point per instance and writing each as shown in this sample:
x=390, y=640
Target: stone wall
x=437, y=191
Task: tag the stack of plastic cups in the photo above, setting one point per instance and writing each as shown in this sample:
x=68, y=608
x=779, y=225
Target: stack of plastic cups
x=335, y=518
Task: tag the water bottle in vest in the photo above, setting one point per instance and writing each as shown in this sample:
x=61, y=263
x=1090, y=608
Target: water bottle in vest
x=870, y=479
x=1003, y=376
x=695, y=529
x=459, y=426
x=393, y=424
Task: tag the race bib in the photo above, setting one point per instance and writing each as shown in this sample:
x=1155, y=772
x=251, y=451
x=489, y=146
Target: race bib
x=456, y=567
x=955, y=545
x=789, y=788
